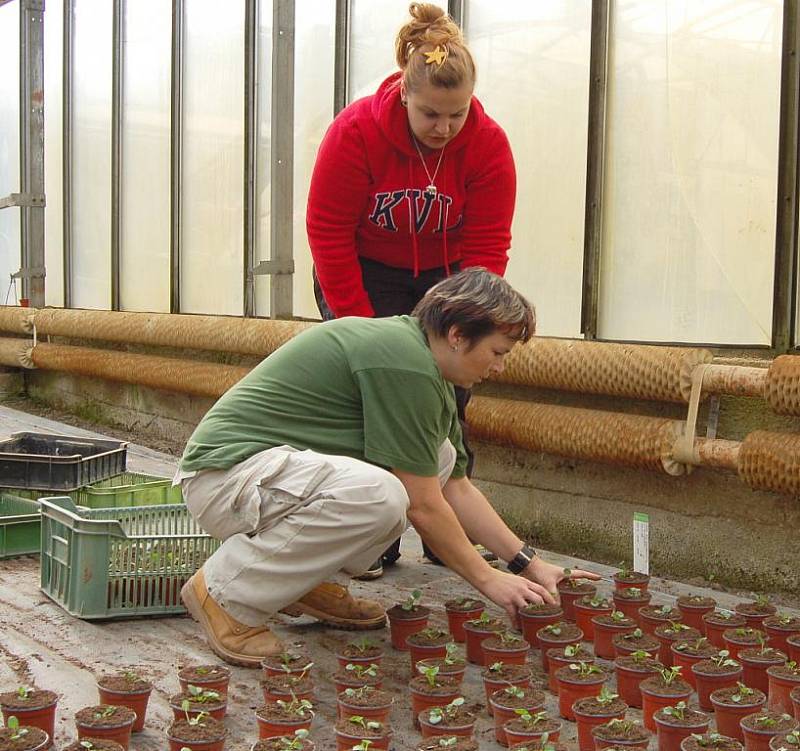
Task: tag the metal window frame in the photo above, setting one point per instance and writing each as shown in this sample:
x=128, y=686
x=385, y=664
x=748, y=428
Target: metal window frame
x=249, y=170
x=67, y=152
x=117, y=66
x=176, y=154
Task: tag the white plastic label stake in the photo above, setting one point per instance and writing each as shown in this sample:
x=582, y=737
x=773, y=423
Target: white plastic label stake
x=641, y=543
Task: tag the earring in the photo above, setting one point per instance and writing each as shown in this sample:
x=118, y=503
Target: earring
x=454, y=347
x=404, y=102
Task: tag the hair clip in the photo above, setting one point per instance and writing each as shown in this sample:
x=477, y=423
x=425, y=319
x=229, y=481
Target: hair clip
x=436, y=55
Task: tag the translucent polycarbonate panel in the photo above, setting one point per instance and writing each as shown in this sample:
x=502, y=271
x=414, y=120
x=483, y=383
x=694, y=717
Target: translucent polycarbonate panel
x=691, y=171
x=9, y=152
x=53, y=153
x=213, y=153
x=91, y=171
x=145, y=192
x=533, y=78
x=313, y=112
x=373, y=27
x=263, y=152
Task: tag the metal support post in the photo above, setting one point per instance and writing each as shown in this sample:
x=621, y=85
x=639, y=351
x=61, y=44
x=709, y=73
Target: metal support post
x=66, y=136
x=282, y=158
x=31, y=109
x=341, y=59
x=250, y=130
x=455, y=9
x=176, y=156
x=117, y=63
x=595, y=159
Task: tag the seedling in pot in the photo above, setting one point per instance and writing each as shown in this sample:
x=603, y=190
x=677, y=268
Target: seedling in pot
x=605, y=696
x=545, y=744
x=363, y=645
x=482, y=619
x=509, y=638
x=24, y=692
x=530, y=720
x=742, y=692
x=553, y=628
x=362, y=746
x=571, y=650
x=514, y=691
x=668, y=675
x=448, y=741
x=300, y=707
x=622, y=726
x=451, y=653
x=438, y=714
x=582, y=669
x=678, y=711
x=287, y=658
x=675, y=627
x=13, y=724
x=640, y=655
x=296, y=743
x=198, y=719
x=710, y=739
x=765, y=721
x=201, y=695
x=430, y=674
x=105, y=712
x=723, y=660
x=361, y=671
x=363, y=722
x=618, y=616
x=412, y=603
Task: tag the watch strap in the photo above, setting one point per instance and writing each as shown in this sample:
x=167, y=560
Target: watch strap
x=521, y=560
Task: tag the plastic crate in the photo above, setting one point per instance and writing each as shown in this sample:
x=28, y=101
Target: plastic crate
x=41, y=461
x=19, y=526
x=124, y=490
x=116, y=563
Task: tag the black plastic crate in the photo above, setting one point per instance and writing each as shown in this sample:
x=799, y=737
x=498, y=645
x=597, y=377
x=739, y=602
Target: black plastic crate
x=40, y=461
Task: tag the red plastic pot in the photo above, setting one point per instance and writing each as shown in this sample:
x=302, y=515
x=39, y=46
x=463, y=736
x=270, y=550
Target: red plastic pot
x=686, y=661
x=135, y=700
x=445, y=671
x=364, y=661
x=345, y=741
x=716, y=626
x=758, y=739
x=793, y=647
x=271, y=695
x=693, y=609
x=491, y=685
x=556, y=659
x=176, y=744
x=517, y=655
x=780, y=741
x=630, y=606
x=652, y=702
x=381, y=713
x=583, y=618
x=706, y=683
x=422, y=702
x=475, y=636
x=457, y=618
x=217, y=714
x=400, y=629
x=43, y=717
x=424, y=652
x=586, y=722
x=569, y=690
x=728, y=716
x=624, y=647
x=637, y=580
x=671, y=736
x=268, y=729
x=779, y=689
x=429, y=731
x=548, y=640
x=121, y=733
x=532, y=622
x=755, y=620
x=529, y=737
x=604, y=632
x=651, y=618
x=503, y=713
x=755, y=667
x=667, y=638
x=568, y=594
x=779, y=632
x=216, y=683
x=600, y=743
x=628, y=682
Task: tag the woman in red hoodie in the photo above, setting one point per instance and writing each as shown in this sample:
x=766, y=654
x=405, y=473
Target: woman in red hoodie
x=410, y=183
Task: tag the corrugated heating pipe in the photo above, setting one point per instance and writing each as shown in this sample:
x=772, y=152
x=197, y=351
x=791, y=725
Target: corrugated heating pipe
x=767, y=461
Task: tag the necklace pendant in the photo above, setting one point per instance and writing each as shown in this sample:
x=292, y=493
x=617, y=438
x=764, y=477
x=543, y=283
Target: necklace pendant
x=431, y=191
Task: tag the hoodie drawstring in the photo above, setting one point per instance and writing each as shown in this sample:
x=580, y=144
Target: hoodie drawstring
x=444, y=229
x=412, y=224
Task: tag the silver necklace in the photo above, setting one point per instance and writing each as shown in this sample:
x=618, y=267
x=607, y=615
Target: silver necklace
x=431, y=189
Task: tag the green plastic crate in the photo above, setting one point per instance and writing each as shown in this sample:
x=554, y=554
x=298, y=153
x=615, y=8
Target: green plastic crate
x=121, y=491
x=119, y=562
x=19, y=526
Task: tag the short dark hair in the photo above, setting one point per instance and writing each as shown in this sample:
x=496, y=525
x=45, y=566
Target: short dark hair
x=477, y=303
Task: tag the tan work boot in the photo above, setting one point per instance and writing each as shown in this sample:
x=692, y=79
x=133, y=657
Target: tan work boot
x=333, y=604
x=232, y=641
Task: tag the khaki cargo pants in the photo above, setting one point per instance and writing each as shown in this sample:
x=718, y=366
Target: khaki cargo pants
x=292, y=519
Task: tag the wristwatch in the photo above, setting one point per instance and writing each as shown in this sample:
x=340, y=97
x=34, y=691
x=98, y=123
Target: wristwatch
x=519, y=562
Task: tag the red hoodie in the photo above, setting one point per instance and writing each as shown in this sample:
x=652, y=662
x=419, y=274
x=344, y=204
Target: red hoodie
x=368, y=182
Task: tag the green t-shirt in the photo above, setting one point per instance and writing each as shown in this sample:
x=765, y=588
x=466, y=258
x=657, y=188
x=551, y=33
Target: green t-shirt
x=368, y=388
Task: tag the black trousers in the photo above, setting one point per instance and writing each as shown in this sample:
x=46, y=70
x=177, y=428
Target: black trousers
x=396, y=292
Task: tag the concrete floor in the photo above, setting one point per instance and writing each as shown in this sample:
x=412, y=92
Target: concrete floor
x=42, y=645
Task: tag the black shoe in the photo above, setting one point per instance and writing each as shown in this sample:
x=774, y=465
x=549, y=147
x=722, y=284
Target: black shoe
x=375, y=571
x=487, y=555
